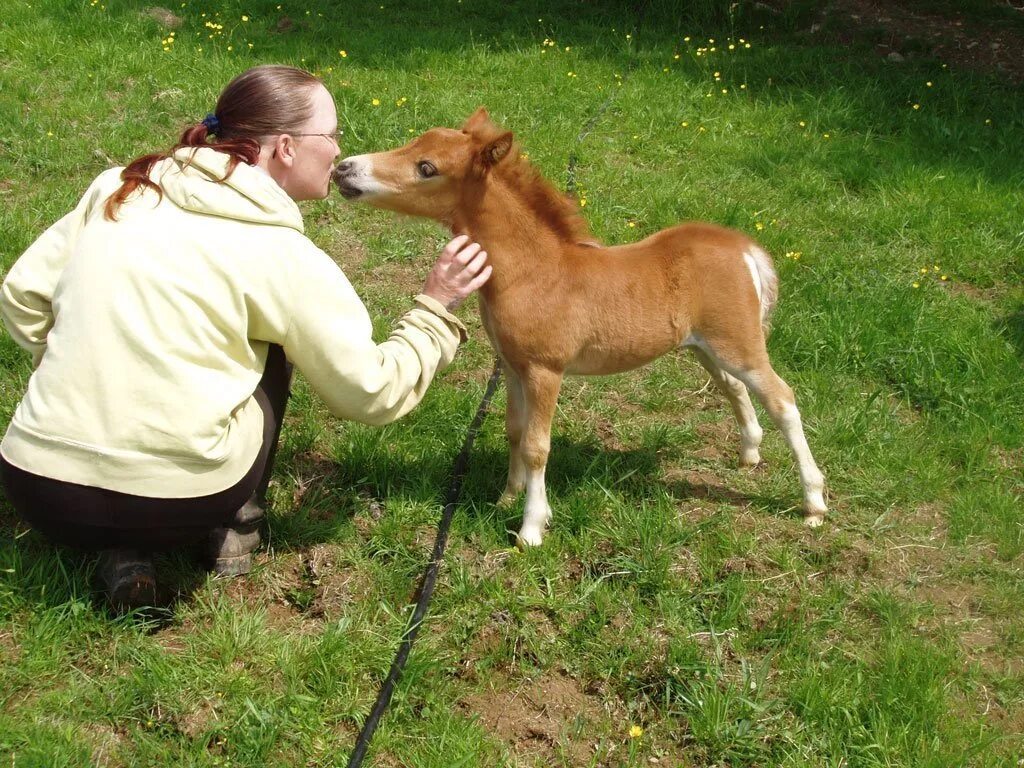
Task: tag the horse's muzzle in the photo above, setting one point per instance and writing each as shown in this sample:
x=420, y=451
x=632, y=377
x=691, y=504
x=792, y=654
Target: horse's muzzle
x=342, y=178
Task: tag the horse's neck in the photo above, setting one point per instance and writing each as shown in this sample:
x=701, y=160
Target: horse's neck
x=518, y=242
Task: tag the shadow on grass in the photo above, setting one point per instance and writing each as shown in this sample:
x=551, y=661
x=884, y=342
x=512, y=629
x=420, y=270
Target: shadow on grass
x=1011, y=328
x=48, y=578
x=330, y=502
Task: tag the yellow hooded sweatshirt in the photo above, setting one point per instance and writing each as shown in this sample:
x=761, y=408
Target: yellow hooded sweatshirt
x=150, y=333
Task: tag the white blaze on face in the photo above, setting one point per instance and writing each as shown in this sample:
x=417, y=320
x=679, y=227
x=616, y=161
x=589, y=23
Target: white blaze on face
x=360, y=175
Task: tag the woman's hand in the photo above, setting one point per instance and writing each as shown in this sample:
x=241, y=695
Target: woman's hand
x=460, y=269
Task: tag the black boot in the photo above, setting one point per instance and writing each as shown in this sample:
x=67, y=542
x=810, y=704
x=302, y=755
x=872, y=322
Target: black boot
x=128, y=579
x=230, y=548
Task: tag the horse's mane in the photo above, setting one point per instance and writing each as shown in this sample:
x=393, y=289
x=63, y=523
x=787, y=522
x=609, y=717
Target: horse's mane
x=558, y=211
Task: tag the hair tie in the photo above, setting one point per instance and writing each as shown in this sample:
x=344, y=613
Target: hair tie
x=212, y=124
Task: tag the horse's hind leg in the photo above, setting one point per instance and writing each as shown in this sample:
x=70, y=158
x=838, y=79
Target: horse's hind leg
x=739, y=399
x=515, y=412
x=755, y=370
x=540, y=396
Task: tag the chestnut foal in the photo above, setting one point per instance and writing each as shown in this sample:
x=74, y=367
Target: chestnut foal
x=560, y=302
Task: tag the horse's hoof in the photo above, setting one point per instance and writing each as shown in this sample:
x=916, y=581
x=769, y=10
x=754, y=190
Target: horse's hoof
x=750, y=459
x=814, y=519
x=529, y=538
x=508, y=498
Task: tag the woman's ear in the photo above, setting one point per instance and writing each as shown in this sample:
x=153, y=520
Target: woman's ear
x=284, y=149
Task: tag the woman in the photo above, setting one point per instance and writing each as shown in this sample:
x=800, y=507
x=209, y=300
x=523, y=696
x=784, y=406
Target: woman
x=162, y=314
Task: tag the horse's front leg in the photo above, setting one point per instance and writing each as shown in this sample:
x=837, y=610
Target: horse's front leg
x=514, y=425
x=540, y=388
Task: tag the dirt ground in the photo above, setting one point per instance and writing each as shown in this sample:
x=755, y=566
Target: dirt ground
x=982, y=42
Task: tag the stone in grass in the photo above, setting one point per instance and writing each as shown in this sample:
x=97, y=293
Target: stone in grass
x=163, y=16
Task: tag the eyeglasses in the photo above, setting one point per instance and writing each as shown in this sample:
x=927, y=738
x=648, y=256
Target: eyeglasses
x=336, y=136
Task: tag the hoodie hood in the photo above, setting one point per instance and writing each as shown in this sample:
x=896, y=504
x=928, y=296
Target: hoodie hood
x=192, y=179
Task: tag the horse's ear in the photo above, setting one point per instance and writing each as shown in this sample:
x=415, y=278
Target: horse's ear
x=477, y=120
x=496, y=150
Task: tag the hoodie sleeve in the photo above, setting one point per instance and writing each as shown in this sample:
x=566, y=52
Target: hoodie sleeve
x=26, y=295
x=330, y=339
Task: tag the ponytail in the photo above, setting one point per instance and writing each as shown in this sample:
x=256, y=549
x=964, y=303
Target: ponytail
x=136, y=174
x=259, y=102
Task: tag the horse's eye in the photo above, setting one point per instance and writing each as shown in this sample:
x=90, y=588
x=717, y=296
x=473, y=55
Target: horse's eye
x=426, y=169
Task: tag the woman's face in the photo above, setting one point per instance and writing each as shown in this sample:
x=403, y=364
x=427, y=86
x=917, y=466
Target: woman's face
x=314, y=151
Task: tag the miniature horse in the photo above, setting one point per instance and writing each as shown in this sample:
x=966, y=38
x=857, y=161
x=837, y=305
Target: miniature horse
x=559, y=302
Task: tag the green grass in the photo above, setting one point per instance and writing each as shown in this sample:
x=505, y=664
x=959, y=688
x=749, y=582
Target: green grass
x=674, y=591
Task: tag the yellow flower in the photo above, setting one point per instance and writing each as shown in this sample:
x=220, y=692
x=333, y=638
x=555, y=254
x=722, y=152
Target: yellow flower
x=583, y=202
x=917, y=106
x=803, y=124
x=758, y=226
x=376, y=102
x=686, y=39
x=635, y=732
x=917, y=285
x=631, y=224
x=686, y=124
x=825, y=135
x=924, y=270
x=944, y=278
x=343, y=54
x=245, y=18
x=929, y=83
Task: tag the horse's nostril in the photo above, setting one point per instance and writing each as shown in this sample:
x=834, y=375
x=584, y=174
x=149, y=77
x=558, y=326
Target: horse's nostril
x=344, y=168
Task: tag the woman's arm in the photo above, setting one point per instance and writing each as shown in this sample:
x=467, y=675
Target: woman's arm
x=330, y=339
x=26, y=295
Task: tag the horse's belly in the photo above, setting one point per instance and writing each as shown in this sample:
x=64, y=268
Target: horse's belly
x=597, y=361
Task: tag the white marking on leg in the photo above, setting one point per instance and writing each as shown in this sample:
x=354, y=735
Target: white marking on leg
x=811, y=477
x=751, y=433
x=735, y=390
x=515, y=424
x=537, y=513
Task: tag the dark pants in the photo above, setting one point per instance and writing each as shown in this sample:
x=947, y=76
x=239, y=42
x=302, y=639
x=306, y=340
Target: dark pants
x=91, y=518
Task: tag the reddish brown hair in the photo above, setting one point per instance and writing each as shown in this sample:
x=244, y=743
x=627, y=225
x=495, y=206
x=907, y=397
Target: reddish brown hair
x=261, y=101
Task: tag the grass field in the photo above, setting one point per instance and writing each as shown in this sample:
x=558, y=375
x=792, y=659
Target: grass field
x=678, y=613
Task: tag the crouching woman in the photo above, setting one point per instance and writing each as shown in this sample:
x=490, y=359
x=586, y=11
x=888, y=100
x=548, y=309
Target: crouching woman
x=164, y=314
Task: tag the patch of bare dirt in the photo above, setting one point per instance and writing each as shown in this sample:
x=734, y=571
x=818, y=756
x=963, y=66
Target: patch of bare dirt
x=199, y=721
x=545, y=717
x=107, y=743
x=307, y=588
x=960, y=39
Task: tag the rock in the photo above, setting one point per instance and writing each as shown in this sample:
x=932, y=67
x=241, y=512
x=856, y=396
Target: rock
x=163, y=16
x=895, y=58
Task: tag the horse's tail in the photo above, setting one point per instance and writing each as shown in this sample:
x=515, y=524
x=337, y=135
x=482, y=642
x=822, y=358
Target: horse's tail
x=766, y=282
